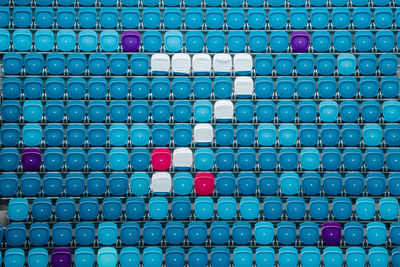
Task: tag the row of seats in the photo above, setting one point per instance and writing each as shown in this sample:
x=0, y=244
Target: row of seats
x=182, y=183
x=193, y=18
x=215, y=41
x=119, y=159
x=181, y=87
x=245, y=135
x=224, y=110
x=196, y=3
x=226, y=208
x=200, y=64
x=200, y=256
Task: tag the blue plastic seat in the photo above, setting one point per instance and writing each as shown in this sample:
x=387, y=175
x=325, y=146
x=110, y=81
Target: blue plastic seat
x=308, y=134
x=97, y=88
x=279, y=41
x=130, y=17
x=87, y=17
x=246, y=158
x=287, y=135
x=277, y=18
x=283, y=62
x=308, y=233
x=118, y=159
x=355, y=256
x=256, y=18
x=151, y=18
x=268, y=158
x=158, y=208
x=111, y=208
x=12, y=63
x=354, y=183
x=241, y=233
x=175, y=233
x=65, y=17
x=97, y=64
x=84, y=233
x=265, y=256
x=319, y=208
x=107, y=233
x=236, y=41
x=295, y=208
x=14, y=257
x=76, y=134
x=139, y=64
x=152, y=41
x=107, y=257
x=342, y=41
x=286, y=233
x=388, y=208
x=172, y=18
x=130, y=234
x=97, y=110
x=84, y=257
x=37, y=257
x=265, y=111
x=325, y=64
x=65, y=209
x=52, y=184
x=53, y=159
x=369, y=86
x=197, y=233
x=353, y=233
x=135, y=208
x=298, y=18
x=352, y=158
x=219, y=233
x=97, y=134
x=44, y=40
x=181, y=208
x=330, y=134
x=332, y=183
x=285, y=87
x=76, y=63
x=287, y=256
x=33, y=63
x=182, y=134
x=9, y=159
x=152, y=233
x=378, y=256
x=108, y=17
x=4, y=39
x=18, y=209
x=203, y=159
x=362, y=43
x=46, y=15
x=263, y=66
x=288, y=158
x=41, y=209
x=174, y=256
x=272, y=207
x=4, y=16
x=311, y=183
x=204, y=208
x=87, y=40
x=55, y=65
x=242, y=257
x=332, y=256
x=384, y=41
x=152, y=257
x=30, y=184
x=9, y=135
x=364, y=209
x=225, y=159
x=161, y=134
x=310, y=256
x=88, y=208
x=215, y=40
x=376, y=233
x=22, y=16
x=340, y=18
x=140, y=134
x=197, y=256
x=39, y=234
x=286, y=111
x=32, y=134
x=319, y=18
x=15, y=234
x=220, y=256
x=249, y=208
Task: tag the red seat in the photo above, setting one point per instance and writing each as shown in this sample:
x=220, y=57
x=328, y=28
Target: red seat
x=161, y=159
x=204, y=183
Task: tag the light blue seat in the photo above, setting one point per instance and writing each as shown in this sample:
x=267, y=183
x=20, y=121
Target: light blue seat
x=215, y=40
x=107, y=257
x=118, y=159
x=140, y=184
x=364, y=210
x=342, y=41
x=249, y=208
x=236, y=41
x=290, y=183
x=172, y=18
x=256, y=18
x=32, y=134
x=298, y=18
x=332, y=256
x=193, y=18
x=22, y=16
x=18, y=209
x=202, y=111
x=287, y=134
x=284, y=63
x=204, y=208
x=372, y=134
x=118, y=135
x=14, y=257
x=152, y=41
x=108, y=17
x=319, y=18
x=310, y=256
x=388, y=208
x=109, y=40
x=22, y=40
x=361, y=42
x=328, y=111
x=37, y=257
x=265, y=256
x=4, y=38
x=158, y=208
x=279, y=41
x=378, y=256
x=287, y=256
x=266, y=135
x=277, y=18
x=263, y=66
x=355, y=257
x=376, y=233
x=264, y=233
x=140, y=134
x=97, y=64
x=354, y=183
x=390, y=110
x=84, y=257
x=242, y=257
x=87, y=17
x=309, y=158
x=4, y=15
x=309, y=233
x=87, y=40
x=384, y=41
x=107, y=233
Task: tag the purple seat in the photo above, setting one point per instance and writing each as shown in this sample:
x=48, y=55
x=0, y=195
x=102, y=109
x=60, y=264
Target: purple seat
x=331, y=233
x=61, y=257
x=31, y=158
x=130, y=41
x=300, y=41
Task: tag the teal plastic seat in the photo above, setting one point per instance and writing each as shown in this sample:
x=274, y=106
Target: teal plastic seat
x=107, y=233
x=290, y=183
x=287, y=134
x=18, y=209
x=9, y=135
x=242, y=257
x=287, y=256
x=140, y=184
x=365, y=208
x=22, y=40
x=38, y=257
x=118, y=159
x=265, y=256
x=14, y=257
x=388, y=208
x=264, y=233
x=129, y=256
x=266, y=134
x=32, y=134
x=204, y=208
x=152, y=257
x=84, y=257
x=332, y=256
x=356, y=257
x=378, y=256
x=376, y=233
x=107, y=257
x=310, y=257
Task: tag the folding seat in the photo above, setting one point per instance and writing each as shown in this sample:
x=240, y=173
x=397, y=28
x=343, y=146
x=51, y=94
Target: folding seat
x=374, y=159
x=32, y=135
x=135, y=208
x=53, y=159
x=9, y=135
x=225, y=183
x=369, y=86
x=201, y=65
x=362, y=43
x=331, y=233
x=355, y=256
x=389, y=86
x=97, y=111
x=88, y=208
x=298, y=18
x=12, y=63
x=152, y=41
x=244, y=111
x=84, y=257
x=109, y=41
x=288, y=158
x=241, y=233
x=286, y=111
x=108, y=17
x=305, y=66
x=219, y=233
x=225, y=159
x=14, y=257
x=139, y=64
x=319, y=208
x=161, y=183
x=181, y=208
x=215, y=41
x=220, y=256
x=287, y=134
x=362, y=18
x=118, y=135
x=203, y=134
x=22, y=16
x=172, y=18
x=390, y=110
x=289, y=183
x=65, y=209
x=197, y=255
x=76, y=63
x=224, y=135
x=378, y=256
x=279, y=41
x=309, y=233
x=388, y=208
x=174, y=256
x=97, y=64
x=384, y=41
x=376, y=233
x=202, y=111
x=30, y=184
x=285, y=87
x=235, y=18
x=118, y=159
x=9, y=159
x=267, y=158
x=352, y=159
x=214, y=18
x=37, y=257
x=130, y=233
x=325, y=64
x=307, y=111
x=182, y=134
x=107, y=233
x=4, y=16
x=107, y=257
x=272, y=208
x=364, y=210
x=277, y=18
x=295, y=208
x=112, y=208
x=372, y=134
x=266, y=135
x=96, y=184
x=118, y=184
x=97, y=135
x=204, y=208
x=151, y=18
x=242, y=256
x=342, y=41
x=308, y=135
x=247, y=183
x=161, y=135
x=31, y=159
x=383, y=17
x=85, y=233
x=39, y=234
x=386, y=62
x=354, y=183
x=193, y=18
x=353, y=233
x=246, y=159
x=340, y=18
x=330, y=134
x=65, y=17
x=15, y=234
x=223, y=110
x=249, y=208
x=332, y=256
x=32, y=110
x=55, y=65
x=87, y=17
x=97, y=159
x=87, y=40
x=286, y=233
x=175, y=233
x=160, y=64
x=346, y=64
x=319, y=18
x=139, y=110
x=75, y=159
x=118, y=111
x=256, y=18
x=33, y=87
x=263, y=66
x=237, y=41
x=161, y=111
x=332, y=183
x=158, y=207
x=283, y=64
x=243, y=65
x=4, y=39
x=197, y=233
x=18, y=209
x=367, y=64
x=34, y=63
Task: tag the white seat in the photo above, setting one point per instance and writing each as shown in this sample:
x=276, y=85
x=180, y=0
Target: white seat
x=244, y=86
x=223, y=110
x=203, y=133
x=222, y=63
x=181, y=63
x=182, y=157
x=201, y=63
x=161, y=182
x=160, y=63
x=242, y=63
